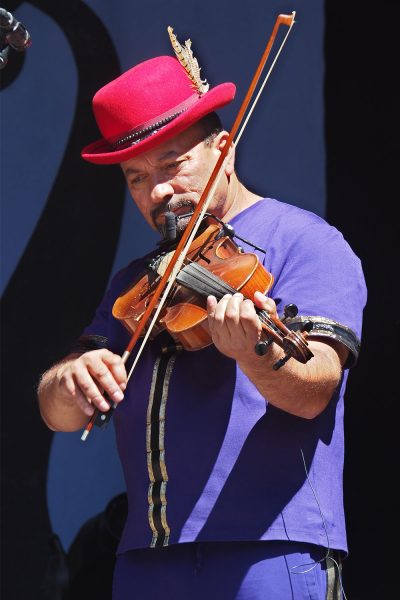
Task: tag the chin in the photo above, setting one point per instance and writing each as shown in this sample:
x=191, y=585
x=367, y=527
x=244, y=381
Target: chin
x=182, y=224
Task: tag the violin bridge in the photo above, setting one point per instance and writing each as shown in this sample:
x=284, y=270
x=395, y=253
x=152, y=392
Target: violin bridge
x=160, y=263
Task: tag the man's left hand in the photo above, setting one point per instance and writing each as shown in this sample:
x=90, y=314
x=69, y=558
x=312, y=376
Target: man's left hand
x=234, y=324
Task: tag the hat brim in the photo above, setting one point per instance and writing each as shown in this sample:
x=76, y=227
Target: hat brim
x=102, y=153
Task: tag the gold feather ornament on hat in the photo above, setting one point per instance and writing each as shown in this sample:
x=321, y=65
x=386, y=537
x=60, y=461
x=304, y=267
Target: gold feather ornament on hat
x=185, y=56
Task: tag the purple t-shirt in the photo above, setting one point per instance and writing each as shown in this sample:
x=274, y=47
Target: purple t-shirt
x=239, y=468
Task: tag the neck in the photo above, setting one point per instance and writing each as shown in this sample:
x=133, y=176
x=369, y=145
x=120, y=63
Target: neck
x=238, y=198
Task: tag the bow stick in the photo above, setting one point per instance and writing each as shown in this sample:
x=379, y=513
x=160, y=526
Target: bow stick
x=174, y=266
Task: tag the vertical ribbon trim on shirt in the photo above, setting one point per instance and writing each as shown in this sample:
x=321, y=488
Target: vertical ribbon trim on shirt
x=155, y=447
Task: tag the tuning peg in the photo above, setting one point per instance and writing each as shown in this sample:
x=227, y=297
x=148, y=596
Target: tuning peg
x=282, y=361
x=307, y=326
x=289, y=311
x=261, y=347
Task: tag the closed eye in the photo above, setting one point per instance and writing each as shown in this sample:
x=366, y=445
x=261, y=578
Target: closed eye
x=172, y=166
x=137, y=179
x=176, y=164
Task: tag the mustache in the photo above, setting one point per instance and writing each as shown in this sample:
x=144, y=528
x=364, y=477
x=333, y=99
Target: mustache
x=170, y=206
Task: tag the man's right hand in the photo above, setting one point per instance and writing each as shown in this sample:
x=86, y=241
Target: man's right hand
x=71, y=390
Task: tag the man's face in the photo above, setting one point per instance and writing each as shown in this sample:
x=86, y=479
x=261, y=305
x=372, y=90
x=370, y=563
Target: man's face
x=172, y=176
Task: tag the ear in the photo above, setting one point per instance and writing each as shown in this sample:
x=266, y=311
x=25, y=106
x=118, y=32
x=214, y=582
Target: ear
x=219, y=144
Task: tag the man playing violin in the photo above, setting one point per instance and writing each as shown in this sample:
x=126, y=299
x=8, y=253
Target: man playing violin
x=233, y=467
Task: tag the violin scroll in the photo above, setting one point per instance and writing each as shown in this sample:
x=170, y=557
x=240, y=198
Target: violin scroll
x=294, y=344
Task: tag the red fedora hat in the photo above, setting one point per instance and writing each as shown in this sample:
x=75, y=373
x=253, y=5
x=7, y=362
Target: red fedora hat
x=146, y=106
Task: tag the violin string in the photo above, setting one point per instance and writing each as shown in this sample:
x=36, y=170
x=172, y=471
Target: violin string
x=214, y=285
x=265, y=318
x=194, y=273
x=202, y=281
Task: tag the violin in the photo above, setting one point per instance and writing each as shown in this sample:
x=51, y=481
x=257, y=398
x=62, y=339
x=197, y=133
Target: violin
x=214, y=265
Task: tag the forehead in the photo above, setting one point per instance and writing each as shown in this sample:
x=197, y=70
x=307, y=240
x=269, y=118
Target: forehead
x=182, y=143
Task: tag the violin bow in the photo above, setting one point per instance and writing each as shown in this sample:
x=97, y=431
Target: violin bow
x=168, y=279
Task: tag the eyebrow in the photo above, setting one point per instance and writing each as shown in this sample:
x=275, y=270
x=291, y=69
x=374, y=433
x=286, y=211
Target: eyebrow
x=131, y=171
x=161, y=158
x=167, y=155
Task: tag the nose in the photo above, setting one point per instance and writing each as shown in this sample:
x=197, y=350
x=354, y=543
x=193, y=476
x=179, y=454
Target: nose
x=162, y=192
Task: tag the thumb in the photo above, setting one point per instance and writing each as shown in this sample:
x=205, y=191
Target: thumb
x=261, y=301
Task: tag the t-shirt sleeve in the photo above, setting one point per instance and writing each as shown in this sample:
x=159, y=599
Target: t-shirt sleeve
x=316, y=269
x=96, y=334
x=100, y=321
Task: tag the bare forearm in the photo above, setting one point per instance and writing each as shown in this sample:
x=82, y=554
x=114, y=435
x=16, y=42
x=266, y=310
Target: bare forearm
x=303, y=390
